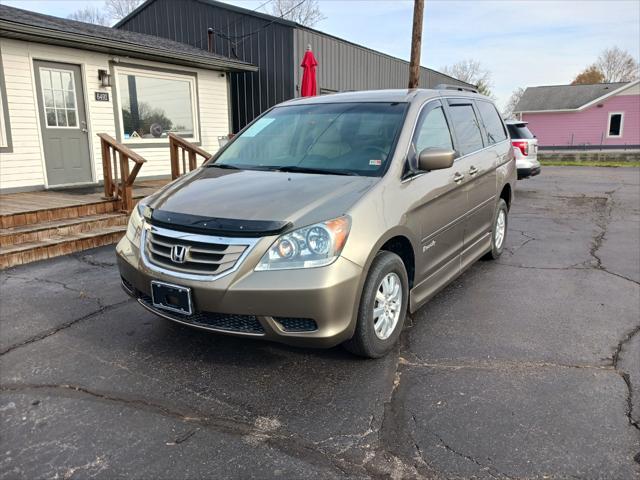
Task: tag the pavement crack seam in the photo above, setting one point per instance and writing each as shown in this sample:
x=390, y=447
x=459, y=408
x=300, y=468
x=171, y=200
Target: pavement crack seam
x=499, y=365
x=625, y=376
x=91, y=262
x=286, y=442
x=53, y=331
x=493, y=473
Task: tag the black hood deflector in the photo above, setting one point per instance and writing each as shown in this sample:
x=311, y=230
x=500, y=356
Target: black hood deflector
x=217, y=226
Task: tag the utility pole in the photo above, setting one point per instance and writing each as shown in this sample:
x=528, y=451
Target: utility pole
x=416, y=43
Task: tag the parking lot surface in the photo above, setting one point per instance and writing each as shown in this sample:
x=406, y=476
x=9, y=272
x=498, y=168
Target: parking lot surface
x=528, y=367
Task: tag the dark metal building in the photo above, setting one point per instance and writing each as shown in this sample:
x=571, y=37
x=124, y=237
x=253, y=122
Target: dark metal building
x=276, y=46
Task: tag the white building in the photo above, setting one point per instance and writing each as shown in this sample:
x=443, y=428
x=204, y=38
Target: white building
x=62, y=82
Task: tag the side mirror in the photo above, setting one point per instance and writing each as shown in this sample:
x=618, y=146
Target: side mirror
x=436, y=158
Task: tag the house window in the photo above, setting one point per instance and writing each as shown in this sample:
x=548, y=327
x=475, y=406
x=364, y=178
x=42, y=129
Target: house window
x=59, y=97
x=615, y=125
x=5, y=124
x=4, y=141
x=154, y=104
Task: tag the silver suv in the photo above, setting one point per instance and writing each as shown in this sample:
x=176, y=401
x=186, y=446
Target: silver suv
x=525, y=147
x=327, y=219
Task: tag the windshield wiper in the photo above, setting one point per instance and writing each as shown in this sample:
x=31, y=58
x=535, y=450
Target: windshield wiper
x=223, y=165
x=324, y=171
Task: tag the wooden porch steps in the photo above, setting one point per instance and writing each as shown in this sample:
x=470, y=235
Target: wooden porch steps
x=34, y=235
x=59, y=228
x=57, y=244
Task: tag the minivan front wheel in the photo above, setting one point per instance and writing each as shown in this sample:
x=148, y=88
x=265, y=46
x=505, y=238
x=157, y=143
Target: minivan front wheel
x=499, y=230
x=383, y=307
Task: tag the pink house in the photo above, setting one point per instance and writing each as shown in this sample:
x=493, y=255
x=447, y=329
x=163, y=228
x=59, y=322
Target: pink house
x=603, y=114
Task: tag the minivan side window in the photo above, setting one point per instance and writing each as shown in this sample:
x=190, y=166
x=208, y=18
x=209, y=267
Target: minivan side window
x=433, y=131
x=467, y=128
x=492, y=122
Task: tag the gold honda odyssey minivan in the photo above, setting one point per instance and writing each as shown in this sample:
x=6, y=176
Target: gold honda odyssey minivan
x=327, y=219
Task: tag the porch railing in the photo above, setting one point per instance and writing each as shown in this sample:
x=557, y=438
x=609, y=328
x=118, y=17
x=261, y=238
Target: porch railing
x=118, y=179
x=184, y=155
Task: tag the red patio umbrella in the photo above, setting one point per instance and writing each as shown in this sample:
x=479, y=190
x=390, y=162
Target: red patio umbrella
x=309, y=64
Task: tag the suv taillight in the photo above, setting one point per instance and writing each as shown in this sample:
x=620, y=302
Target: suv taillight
x=523, y=146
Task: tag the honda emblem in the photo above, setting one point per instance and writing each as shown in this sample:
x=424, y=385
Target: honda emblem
x=179, y=253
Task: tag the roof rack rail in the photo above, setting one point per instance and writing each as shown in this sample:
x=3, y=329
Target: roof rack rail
x=460, y=88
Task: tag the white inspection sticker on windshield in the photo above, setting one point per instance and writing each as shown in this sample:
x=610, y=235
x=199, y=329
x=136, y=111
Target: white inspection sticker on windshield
x=257, y=127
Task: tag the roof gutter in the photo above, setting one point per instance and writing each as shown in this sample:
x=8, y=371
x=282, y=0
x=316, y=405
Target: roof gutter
x=75, y=40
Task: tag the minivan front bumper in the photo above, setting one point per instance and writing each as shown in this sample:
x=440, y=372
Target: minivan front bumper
x=313, y=307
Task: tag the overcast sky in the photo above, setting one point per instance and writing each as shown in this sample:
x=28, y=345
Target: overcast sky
x=522, y=43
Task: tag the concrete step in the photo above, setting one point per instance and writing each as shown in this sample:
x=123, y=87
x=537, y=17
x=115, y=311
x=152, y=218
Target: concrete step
x=58, y=228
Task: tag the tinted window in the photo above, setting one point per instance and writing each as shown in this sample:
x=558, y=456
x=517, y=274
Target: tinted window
x=356, y=137
x=433, y=131
x=467, y=128
x=519, y=131
x=492, y=122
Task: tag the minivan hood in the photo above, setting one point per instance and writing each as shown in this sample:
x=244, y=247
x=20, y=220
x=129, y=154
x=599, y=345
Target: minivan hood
x=296, y=199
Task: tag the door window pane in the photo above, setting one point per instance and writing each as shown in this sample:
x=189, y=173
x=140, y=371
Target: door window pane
x=71, y=118
x=48, y=99
x=66, y=80
x=62, y=118
x=154, y=106
x=51, y=117
x=467, y=128
x=433, y=131
x=492, y=122
x=69, y=100
x=56, y=82
x=59, y=97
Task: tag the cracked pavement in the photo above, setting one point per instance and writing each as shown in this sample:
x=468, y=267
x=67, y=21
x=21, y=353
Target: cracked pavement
x=523, y=368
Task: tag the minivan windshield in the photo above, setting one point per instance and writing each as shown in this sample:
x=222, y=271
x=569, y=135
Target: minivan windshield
x=326, y=138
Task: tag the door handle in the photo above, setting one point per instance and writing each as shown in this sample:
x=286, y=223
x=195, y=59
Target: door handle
x=458, y=177
x=473, y=170
x=83, y=125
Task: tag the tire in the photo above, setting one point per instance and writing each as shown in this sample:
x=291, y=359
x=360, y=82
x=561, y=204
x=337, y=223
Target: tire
x=497, y=245
x=365, y=341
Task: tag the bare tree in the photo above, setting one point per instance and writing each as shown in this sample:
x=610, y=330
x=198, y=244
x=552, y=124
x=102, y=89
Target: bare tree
x=510, y=107
x=471, y=71
x=304, y=12
x=617, y=65
x=90, y=15
x=118, y=9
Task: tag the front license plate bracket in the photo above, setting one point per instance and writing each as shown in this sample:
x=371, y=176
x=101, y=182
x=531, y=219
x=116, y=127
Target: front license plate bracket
x=173, y=298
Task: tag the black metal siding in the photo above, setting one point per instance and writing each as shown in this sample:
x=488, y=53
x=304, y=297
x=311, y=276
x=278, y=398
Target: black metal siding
x=276, y=47
x=347, y=66
x=244, y=37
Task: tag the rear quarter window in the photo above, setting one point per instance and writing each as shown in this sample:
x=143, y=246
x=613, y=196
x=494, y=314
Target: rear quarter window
x=492, y=122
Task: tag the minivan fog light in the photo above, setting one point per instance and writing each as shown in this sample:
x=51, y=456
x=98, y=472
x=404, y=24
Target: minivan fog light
x=313, y=246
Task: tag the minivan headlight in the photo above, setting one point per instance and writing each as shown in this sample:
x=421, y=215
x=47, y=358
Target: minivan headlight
x=136, y=219
x=313, y=246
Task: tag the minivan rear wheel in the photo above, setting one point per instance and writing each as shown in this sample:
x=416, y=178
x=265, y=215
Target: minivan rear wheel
x=499, y=231
x=383, y=307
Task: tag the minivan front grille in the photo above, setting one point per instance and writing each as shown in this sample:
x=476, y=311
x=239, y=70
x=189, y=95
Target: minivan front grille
x=192, y=254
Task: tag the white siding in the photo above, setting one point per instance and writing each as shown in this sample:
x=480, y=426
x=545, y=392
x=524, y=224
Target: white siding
x=25, y=167
x=633, y=90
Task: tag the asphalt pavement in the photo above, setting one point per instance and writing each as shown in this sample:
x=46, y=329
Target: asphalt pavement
x=528, y=367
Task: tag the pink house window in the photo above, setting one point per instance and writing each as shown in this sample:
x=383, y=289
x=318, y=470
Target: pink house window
x=615, y=124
